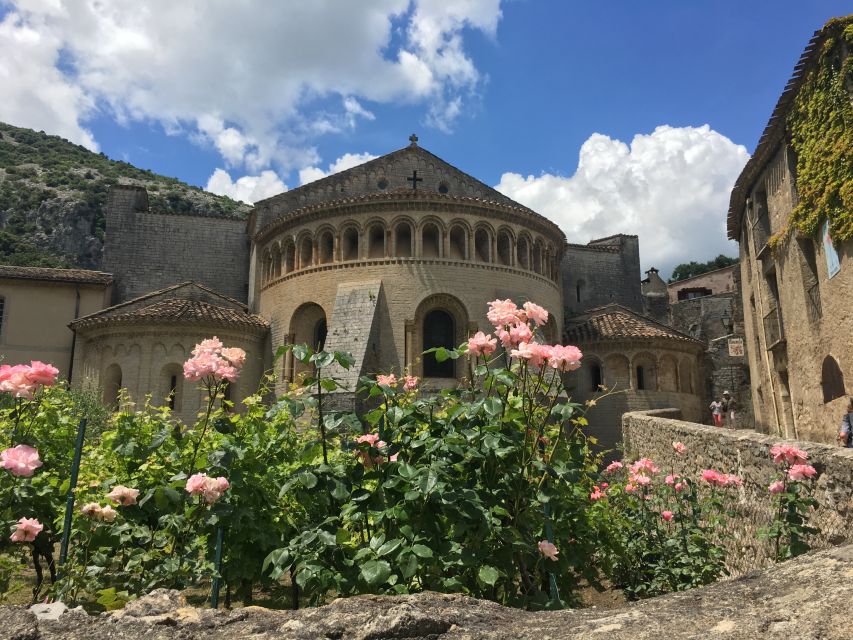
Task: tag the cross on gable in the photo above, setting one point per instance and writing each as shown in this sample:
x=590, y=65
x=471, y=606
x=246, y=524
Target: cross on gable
x=415, y=180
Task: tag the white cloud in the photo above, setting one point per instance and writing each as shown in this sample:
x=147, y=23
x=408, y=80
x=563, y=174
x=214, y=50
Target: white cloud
x=346, y=161
x=248, y=77
x=248, y=188
x=670, y=187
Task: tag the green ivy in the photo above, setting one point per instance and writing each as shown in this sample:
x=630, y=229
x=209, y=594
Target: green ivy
x=821, y=129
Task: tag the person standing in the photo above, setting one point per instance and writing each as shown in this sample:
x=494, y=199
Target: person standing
x=729, y=406
x=845, y=436
x=717, y=412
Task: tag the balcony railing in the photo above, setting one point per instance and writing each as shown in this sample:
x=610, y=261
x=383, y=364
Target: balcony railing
x=773, y=331
x=813, y=302
x=761, y=233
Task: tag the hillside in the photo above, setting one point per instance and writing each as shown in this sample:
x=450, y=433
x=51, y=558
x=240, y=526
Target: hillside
x=52, y=196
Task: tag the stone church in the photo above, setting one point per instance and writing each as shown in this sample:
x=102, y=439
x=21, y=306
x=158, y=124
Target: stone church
x=384, y=260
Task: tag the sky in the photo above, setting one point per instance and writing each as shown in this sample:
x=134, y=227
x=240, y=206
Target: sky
x=607, y=117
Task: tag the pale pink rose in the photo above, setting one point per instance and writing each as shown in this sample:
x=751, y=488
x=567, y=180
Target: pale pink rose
x=195, y=483
x=535, y=313
x=604, y=485
x=643, y=481
x=783, y=453
x=26, y=530
x=226, y=372
x=666, y=515
x=411, y=383
x=201, y=366
x=613, y=467
x=503, y=312
x=21, y=460
x=730, y=480
x=210, y=347
x=123, y=495
x=234, y=355
x=597, y=494
x=710, y=476
x=671, y=479
x=679, y=447
x=520, y=333
x=565, y=357
x=523, y=352
x=541, y=353
x=42, y=373
x=107, y=514
x=91, y=510
x=15, y=380
x=548, y=550
x=776, y=487
x=630, y=487
x=481, y=344
x=643, y=465
x=721, y=479
x=386, y=381
x=799, y=472
x=679, y=486
x=369, y=438
x=504, y=337
x=393, y=457
x=222, y=484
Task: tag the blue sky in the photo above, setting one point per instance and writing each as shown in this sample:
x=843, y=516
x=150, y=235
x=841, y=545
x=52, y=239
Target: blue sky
x=512, y=92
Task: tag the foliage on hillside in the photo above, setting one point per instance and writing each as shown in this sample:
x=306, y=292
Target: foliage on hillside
x=45, y=178
x=821, y=127
x=690, y=269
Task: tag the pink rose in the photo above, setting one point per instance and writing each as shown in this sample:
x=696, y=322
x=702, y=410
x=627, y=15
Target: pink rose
x=225, y=371
x=523, y=352
x=597, y=494
x=15, y=380
x=503, y=312
x=548, y=550
x=210, y=347
x=21, y=460
x=195, y=483
x=671, y=479
x=123, y=495
x=630, y=487
x=234, y=355
x=783, y=453
x=211, y=489
x=393, y=457
x=679, y=447
x=643, y=481
x=666, y=515
x=776, y=487
x=386, y=381
x=565, y=358
x=504, y=337
x=520, y=333
x=535, y=313
x=26, y=530
x=107, y=514
x=42, y=373
x=541, y=352
x=201, y=366
x=369, y=438
x=481, y=344
x=679, y=486
x=613, y=467
x=710, y=476
x=643, y=465
x=91, y=510
x=799, y=472
x=411, y=383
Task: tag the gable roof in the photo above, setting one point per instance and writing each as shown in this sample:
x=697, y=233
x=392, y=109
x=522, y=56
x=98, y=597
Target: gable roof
x=183, y=303
x=45, y=274
x=395, y=169
x=615, y=322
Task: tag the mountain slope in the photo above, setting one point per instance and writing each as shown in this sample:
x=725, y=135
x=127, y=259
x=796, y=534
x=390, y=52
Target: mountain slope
x=52, y=196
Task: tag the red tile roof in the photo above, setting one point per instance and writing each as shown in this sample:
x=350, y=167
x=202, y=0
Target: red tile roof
x=614, y=322
x=82, y=276
x=177, y=311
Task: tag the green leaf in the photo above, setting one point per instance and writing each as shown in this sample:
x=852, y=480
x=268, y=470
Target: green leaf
x=375, y=572
x=409, y=566
x=422, y=551
x=389, y=547
x=345, y=359
x=488, y=575
x=323, y=359
x=302, y=353
x=328, y=384
x=308, y=479
x=441, y=354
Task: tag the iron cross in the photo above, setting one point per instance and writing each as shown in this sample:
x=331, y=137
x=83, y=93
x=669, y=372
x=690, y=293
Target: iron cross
x=415, y=180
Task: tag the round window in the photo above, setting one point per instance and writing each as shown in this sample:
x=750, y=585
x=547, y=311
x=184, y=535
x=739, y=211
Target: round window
x=382, y=184
x=442, y=188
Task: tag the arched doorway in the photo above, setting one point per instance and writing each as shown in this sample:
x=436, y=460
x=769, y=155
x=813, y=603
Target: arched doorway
x=307, y=326
x=112, y=385
x=438, y=331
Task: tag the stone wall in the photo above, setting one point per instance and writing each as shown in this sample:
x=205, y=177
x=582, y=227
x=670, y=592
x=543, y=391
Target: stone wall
x=747, y=454
x=146, y=251
x=717, y=281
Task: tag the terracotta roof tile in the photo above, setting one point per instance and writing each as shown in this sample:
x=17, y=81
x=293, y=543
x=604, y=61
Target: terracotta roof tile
x=82, y=276
x=614, y=322
x=178, y=311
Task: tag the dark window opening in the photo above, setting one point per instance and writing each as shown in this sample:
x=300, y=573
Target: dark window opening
x=595, y=377
x=327, y=248
x=482, y=245
x=376, y=242
x=458, y=240
x=403, y=241
x=173, y=391
x=831, y=380
x=641, y=378
x=578, y=288
x=504, y=248
x=320, y=332
x=438, y=332
x=2, y=309
x=442, y=188
x=350, y=244
x=430, y=241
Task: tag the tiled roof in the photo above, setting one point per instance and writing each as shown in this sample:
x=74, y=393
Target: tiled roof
x=604, y=248
x=82, y=276
x=177, y=311
x=615, y=322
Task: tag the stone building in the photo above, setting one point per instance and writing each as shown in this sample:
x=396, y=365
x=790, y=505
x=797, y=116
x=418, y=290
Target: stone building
x=36, y=305
x=796, y=287
x=705, y=284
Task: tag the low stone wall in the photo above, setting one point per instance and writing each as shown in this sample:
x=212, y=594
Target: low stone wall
x=747, y=454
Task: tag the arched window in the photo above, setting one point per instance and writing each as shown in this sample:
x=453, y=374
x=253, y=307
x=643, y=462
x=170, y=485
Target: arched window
x=579, y=290
x=438, y=331
x=831, y=380
x=326, y=247
x=641, y=378
x=522, y=251
x=320, y=332
x=537, y=256
x=595, y=377
x=482, y=246
x=276, y=262
x=430, y=241
x=349, y=250
x=504, y=248
x=289, y=257
x=112, y=385
x=403, y=240
x=172, y=385
x=306, y=253
x=458, y=243
x=308, y=327
x=376, y=241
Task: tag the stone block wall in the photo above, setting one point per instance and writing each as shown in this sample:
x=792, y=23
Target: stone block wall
x=747, y=454
x=146, y=251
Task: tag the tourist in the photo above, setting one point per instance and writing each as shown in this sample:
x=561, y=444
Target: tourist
x=729, y=406
x=845, y=436
x=717, y=413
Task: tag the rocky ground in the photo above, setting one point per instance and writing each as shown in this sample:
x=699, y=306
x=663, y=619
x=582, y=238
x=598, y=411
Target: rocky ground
x=806, y=598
